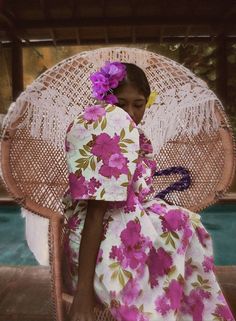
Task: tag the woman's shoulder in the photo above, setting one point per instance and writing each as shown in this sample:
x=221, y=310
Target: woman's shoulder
x=96, y=113
x=109, y=119
x=102, y=149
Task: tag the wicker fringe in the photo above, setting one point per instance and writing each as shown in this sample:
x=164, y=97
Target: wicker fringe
x=183, y=107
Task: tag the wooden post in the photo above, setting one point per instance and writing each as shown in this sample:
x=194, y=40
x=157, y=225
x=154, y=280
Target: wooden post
x=221, y=69
x=17, y=69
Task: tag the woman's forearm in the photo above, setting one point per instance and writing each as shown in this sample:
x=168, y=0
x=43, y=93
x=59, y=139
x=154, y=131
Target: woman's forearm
x=90, y=243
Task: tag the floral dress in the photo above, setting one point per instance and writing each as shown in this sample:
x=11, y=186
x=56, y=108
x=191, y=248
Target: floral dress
x=155, y=260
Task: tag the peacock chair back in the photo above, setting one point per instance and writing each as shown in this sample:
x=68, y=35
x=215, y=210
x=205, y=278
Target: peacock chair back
x=187, y=125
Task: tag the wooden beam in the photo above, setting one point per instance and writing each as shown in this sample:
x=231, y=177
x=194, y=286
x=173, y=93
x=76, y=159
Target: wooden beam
x=77, y=36
x=75, y=9
x=106, y=36
x=124, y=40
x=122, y=21
x=17, y=69
x=133, y=32
x=103, y=5
x=10, y=29
x=4, y=20
x=53, y=36
x=187, y=33
x=221, y=69
x=45, y=8
x=230, y=10
x=133, y=6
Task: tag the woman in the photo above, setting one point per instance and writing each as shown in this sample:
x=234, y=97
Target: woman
x=146, y=260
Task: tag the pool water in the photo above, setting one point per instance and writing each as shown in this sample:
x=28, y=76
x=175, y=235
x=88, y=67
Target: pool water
x=219, y=220
x=13, y=246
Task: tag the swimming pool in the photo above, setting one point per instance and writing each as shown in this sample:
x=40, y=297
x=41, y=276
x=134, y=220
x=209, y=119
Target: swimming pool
x=219, y=220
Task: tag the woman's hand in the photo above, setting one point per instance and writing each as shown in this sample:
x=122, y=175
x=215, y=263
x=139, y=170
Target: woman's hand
x=82, y=308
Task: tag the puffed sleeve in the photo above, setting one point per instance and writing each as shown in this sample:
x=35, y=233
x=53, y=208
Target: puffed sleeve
x=102, y=146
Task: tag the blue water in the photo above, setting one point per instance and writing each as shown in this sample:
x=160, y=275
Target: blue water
x=219, y=220
x=13, y=246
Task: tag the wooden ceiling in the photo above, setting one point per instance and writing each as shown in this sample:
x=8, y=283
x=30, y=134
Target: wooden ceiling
x=114, y=21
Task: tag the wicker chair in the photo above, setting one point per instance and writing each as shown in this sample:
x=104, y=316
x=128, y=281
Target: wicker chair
x=34, y=167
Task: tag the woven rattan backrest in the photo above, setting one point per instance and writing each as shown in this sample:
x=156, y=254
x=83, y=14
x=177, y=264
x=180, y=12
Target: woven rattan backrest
x=35, y=168
x=210, y=161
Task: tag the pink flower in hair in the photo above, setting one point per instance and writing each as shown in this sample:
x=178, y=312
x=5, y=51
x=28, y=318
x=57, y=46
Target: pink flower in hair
x=106, y=79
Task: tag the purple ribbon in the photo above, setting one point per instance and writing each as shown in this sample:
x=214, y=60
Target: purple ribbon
x=180, y=185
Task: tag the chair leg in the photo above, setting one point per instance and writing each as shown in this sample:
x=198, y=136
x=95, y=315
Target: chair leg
x=55, y=230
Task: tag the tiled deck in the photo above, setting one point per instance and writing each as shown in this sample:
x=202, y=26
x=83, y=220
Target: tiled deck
x=25, y=292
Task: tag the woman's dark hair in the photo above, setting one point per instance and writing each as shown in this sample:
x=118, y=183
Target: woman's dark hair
x=135, y=77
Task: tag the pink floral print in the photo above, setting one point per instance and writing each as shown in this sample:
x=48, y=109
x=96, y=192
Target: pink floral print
x=155, y=260
x=93, y=113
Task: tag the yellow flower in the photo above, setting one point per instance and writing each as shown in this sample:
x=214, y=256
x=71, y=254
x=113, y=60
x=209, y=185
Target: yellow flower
x=151, y=99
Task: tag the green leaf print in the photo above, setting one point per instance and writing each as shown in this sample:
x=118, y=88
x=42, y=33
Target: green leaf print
x=175, y=235
x=131, y=127
x=110, y=108
x=128, y=141
x=172, y=270
x=172, y=242
x=164, y=235
x=95, y=124
x=122, y=133
x=129, y=175
x=195, y=284
x=122, y=145
x=142, y=213
x=141, y=308
x=200, y=279
x=104, y=124
x=87, y=148
x=201, y=283
x=92, y=164
x=114, y=265
x=83, y=152
x=195, y=221
x=82, y=163
x=169, y=239
x=102, y=193
x=216, y=317
x=80, y=120
x=128, y=274
x=114, y=274
x=121, y=279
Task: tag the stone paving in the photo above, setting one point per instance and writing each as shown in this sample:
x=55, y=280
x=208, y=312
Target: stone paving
x=24, y=293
